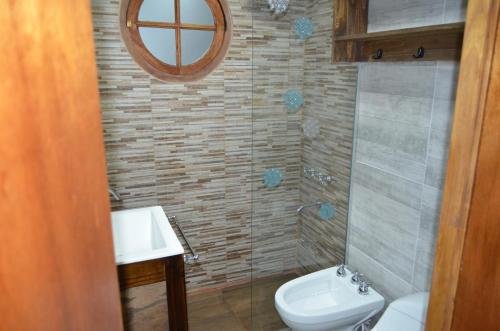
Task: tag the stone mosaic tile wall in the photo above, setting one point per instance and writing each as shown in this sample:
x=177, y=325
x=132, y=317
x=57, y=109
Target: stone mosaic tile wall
x=278, y=60
x=188, y=147
x=330, y=97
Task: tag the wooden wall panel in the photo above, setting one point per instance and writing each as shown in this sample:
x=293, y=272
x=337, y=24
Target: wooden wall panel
x=57, y=269
x=469, y=178
x=478, y=293
x=350, y=17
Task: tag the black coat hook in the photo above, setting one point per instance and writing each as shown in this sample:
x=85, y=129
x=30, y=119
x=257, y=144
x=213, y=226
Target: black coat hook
x=419, y=53
x=378, y=54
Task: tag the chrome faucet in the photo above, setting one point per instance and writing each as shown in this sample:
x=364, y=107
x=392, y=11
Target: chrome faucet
x=363, y=287
x=356, y=278
x=341, y=271
x=114, y=194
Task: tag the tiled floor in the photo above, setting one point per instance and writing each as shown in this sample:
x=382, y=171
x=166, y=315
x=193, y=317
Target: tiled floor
x=229, y=309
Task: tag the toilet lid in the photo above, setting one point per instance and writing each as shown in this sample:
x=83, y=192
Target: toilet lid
x=407, y=313
x=393, y=320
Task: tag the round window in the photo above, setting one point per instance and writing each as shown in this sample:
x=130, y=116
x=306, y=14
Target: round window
x=176, y=40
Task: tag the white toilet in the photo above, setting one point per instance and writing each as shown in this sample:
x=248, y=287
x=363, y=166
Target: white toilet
x=407, y=313
x=323, y=301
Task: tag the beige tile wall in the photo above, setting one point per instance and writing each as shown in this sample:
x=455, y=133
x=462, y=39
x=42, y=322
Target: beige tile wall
x=278, y=58
x=199, y=149
x=330, y=97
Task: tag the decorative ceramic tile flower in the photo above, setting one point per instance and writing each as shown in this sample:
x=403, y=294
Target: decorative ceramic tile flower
x=293, y=99
x=278, y=7
x=272, y=177
x=326, y=211
x=303, y=28
x=311, y=128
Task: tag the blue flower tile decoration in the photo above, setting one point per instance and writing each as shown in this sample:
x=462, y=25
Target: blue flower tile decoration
x=293, y=99
x=272, y=177
x=326, y=211
x=303, y=28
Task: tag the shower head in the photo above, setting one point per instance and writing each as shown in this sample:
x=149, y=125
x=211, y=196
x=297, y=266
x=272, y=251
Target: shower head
x=278, y=7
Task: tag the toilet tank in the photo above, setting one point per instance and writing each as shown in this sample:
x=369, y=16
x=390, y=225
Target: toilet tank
x=407, y=313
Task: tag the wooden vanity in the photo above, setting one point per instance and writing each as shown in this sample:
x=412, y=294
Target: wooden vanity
x=147, y=251
x=169, y=269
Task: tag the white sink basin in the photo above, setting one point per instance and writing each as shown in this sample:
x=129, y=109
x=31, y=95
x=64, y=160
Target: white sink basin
x=143, y=234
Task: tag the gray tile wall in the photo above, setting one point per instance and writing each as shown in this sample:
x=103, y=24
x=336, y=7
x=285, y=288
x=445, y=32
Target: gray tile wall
x=400, y=14
x=404, y=112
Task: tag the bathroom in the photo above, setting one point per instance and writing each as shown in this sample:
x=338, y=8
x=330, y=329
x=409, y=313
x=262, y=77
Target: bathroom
x=253, y=165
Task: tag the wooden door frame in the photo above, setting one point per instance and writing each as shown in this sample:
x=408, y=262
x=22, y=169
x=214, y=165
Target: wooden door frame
x=466, y=270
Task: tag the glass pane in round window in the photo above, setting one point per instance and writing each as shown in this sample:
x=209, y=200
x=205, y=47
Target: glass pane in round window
x=176, y=40
x=196, y=12
x=195, y=43
x=160, y=42
x=157, y=11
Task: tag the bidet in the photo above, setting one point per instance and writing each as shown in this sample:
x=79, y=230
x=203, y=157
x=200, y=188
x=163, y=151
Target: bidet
x=323, y=301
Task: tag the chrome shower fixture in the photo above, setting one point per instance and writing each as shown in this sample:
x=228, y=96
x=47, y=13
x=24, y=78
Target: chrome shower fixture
x=301, y=208
x=278, y=7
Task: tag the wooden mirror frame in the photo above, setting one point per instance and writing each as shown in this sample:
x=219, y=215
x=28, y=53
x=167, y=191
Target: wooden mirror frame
x=129, y=27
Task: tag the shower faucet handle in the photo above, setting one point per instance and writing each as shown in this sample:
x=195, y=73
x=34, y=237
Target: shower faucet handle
x=341, y=270
x=356, y=278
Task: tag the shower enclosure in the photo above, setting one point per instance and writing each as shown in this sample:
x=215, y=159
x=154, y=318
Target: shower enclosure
x=303, y=110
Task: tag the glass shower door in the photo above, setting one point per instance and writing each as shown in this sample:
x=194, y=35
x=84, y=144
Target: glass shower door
x=302, y=130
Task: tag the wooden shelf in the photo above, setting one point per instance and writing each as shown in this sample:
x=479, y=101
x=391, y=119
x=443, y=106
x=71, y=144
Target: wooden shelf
x=406, y=33
x=351, y=42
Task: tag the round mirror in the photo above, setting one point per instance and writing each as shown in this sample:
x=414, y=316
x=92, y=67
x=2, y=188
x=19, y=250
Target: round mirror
x=176, y=39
